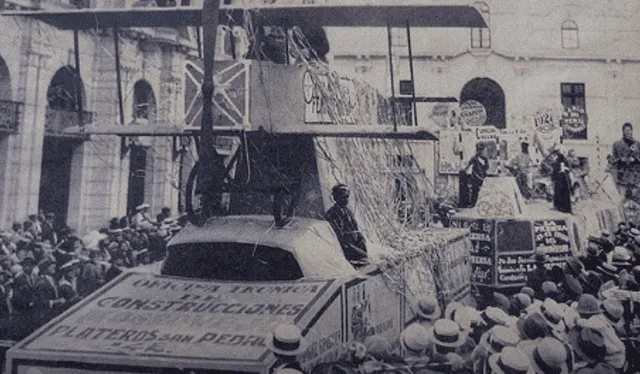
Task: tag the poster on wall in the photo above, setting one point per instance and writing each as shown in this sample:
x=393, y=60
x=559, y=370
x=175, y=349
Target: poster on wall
x=512, y=269
x=551, y=237
x=482, y=248
x=450, y=151
x=574, y=122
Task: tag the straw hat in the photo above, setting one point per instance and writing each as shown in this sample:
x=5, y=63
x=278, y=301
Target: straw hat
x=549, y=287
x=500, y=337
x=528, y=291
x=552, y=314
x=286, y=340
x=634, y=232
x=427, y=308
x=378, y=346
x=446, y=333
x=142, y=206
x=573, y=284
x=495, y=316
x=549, y=356
x=510, y=361
x=415, y=338
x=521, y=301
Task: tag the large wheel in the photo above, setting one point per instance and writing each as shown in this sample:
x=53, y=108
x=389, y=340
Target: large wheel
x=193, y=199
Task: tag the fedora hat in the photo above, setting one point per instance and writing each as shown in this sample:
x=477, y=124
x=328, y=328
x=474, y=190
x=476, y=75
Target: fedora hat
x=532, y=327
x=549, y=287
x=500, y=337
x=613, y=311
x=510, y=361
x=142, y=206
x=427, y=308
x=573, y=285
x=588, y=305
x=573, y=264
x=286, y=340
x=528, y=291
x=502, y=302
x=415, y=338
x=549, y=356
x=588, y=344
x=446, y=333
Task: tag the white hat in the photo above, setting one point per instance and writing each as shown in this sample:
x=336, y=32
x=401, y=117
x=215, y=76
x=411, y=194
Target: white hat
x=69, y=264
x=287, y=340
x=415, y=337
x=510, y=360
x=427, y=308
x=142, y=206
x=446, y=333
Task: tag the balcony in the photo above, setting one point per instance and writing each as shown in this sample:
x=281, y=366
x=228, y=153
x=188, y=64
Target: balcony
x=10, y=114
x=56, y=120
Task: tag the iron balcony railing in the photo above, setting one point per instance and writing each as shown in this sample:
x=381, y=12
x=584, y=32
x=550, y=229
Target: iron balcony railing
x=58, y=119
x=10, y=115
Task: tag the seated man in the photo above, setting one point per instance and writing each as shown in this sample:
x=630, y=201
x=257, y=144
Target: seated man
x=344, y=224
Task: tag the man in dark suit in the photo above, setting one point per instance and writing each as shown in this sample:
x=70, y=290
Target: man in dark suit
x=49, y=299
x=48, y=229
x=345, y=226
x=91, y=276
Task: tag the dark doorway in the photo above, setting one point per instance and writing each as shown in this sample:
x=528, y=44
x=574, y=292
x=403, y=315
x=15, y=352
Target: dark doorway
x=491, y=95
x=137, y=173
x=55, y=177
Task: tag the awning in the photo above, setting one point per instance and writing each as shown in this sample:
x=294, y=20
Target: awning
x=325, y=15
x=352, y=131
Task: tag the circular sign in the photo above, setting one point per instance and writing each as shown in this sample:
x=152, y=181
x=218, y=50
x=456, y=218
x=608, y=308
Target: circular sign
x=473, y=113
x=308, y=87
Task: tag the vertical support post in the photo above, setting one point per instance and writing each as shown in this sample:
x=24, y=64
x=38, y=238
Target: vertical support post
x=78, y=80
x=199, y=41
x=116, y=43
x=393, y=87
x=413, y=81
x=210, y=174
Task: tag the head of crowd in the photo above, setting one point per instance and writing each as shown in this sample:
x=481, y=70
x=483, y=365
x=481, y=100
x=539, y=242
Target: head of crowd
x=575, y=315
x=46, y=266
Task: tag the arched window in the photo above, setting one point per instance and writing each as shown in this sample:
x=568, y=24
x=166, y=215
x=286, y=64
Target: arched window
x=144, y=101
x=570, y=38
x=481, y=36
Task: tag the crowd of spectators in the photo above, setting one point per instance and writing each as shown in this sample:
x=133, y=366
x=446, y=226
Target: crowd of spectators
x=580, y=316
x=46, y=267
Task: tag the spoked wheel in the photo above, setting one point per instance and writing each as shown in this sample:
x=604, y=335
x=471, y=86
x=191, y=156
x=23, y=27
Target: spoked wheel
x=193, y=198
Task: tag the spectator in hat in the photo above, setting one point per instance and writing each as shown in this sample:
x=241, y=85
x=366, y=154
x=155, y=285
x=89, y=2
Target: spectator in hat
x=591, y=282
x=588, y=346
x=528, y=291
x=587, y=306
x=459, y=314
x=532, y=328
x=427, y=311
x=571, y=289
x=378, y=347
x=509, y=361
x=548, y=290
x=68, y=282
x=142, y=219
x=345, y=225
x=502, y=302
x=47, y=289
x=621, y=259
x=49, y=230
x=414, y=341
x=573, y=266
x=548, y=356
x=24, y=296
x=497, y=339
x=164, y=214
x=613, y=311
x=592, y=260
x=540, y=274
x=615, y=348
x=445, y=337
x=28, y=231
x=91, y=277
x=519, y=304
x=490, y=317
x=553, y=316
x=286, y=343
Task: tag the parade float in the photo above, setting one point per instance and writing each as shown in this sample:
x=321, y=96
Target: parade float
x=293, y=130
x=507, y=228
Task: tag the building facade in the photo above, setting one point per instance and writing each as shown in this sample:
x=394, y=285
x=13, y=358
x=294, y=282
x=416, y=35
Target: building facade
x=87, y=179
x=579, y=58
